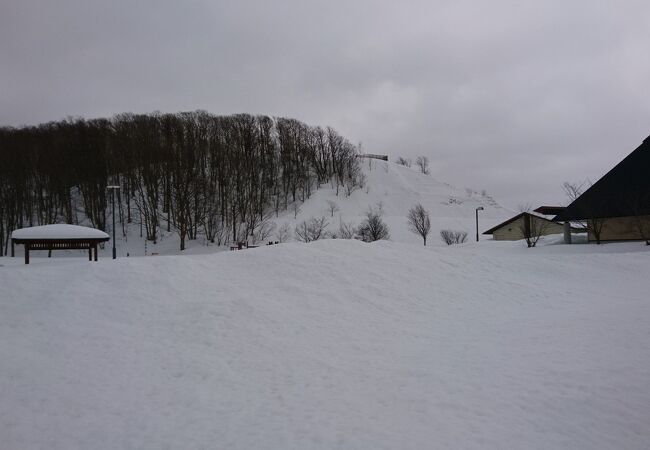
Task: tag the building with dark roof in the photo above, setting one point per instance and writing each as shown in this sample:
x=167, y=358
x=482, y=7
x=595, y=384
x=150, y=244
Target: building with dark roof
x=617, y=207
x=524, y=225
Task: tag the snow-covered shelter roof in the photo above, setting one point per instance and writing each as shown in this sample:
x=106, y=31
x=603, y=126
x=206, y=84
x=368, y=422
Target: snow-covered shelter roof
x=512, y=219
x=59, y=232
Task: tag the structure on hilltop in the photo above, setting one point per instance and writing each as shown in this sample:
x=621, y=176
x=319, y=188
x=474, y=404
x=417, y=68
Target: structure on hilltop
x=373, y=156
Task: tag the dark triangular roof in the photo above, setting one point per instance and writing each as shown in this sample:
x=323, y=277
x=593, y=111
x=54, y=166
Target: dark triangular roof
x=512, y=219
x=623, y=191
x=549, y=210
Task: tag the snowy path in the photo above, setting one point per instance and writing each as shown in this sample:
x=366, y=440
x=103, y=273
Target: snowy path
x=336, y=344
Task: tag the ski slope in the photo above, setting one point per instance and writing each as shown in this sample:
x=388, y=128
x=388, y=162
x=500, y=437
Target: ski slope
x=397, y=189
x=333, y=344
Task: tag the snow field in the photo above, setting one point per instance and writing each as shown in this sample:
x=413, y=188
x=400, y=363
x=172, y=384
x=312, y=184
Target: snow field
x=334, y=344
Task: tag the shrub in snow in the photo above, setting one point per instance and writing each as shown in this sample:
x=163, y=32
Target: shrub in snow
x=346, y=230
x=373, y=228
x=453, y=237
x=403, y=161
x=283, y=234
x=312, y=230
x=423, y=163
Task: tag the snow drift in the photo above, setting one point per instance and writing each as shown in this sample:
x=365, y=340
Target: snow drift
x=334, y=344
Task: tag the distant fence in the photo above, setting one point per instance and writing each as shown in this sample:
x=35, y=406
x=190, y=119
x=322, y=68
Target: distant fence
x=370, y=155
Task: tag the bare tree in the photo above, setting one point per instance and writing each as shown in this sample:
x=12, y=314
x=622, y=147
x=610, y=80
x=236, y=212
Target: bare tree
x=594, y=225
x=423, y=163
x=263, y=230
x=419, y=222
x=403, y=161
x=332, y=207
x=193, y=171
x=639, y=204
x=296, y=209
x=312, y=230
x=347, y=230
x=283, y=234
x=451, y=237
x=574, y=190
x=531, y=226
x=373, y=227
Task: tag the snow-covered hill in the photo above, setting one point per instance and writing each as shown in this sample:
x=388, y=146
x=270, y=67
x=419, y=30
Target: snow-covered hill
x=333, y=344
x=397, y=188
x=393, y=187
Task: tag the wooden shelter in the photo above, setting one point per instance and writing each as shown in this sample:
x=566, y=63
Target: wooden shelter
x=617, y=207
x=58, y=237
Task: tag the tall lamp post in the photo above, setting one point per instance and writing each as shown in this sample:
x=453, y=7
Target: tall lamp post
x=113, y=189
x=480, y=208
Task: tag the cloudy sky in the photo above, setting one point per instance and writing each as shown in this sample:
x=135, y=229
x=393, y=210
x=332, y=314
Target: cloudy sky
x=514, y=97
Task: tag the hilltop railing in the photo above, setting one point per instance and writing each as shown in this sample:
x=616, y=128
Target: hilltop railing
x=370, y=155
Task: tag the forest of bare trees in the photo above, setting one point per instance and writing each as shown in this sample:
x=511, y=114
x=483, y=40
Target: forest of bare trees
x=220, y=177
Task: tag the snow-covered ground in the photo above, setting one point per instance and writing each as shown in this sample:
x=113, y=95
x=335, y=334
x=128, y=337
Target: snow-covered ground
x=333, y=344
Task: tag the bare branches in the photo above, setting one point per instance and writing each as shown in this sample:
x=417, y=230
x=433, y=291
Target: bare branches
x=332, y=207
x=347, y=230
x=423, y=163
x=639, y=204
x=296, y=208
x=373, y=227
x=574, y=190
x=532, y=227
x=312, y=230
x=283, y=234
x=451, y=237
x=192, y=172
x=403, y=161
x=594, y=225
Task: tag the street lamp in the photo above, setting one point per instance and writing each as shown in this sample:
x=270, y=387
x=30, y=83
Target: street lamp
x=480, y=208
x=113, y=189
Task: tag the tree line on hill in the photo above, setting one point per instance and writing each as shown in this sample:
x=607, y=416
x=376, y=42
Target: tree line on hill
x=195, y=173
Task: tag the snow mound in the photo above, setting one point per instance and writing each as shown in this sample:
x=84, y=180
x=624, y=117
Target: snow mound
x=59, y=231
x=335, y=344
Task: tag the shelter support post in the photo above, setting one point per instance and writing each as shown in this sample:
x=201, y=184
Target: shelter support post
x=90, y=253
x=13, y=249
x=567, y=232
x=95, y=250
x=26, y=253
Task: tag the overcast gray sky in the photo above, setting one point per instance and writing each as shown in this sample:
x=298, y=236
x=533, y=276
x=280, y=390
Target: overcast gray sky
x=514, y=97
